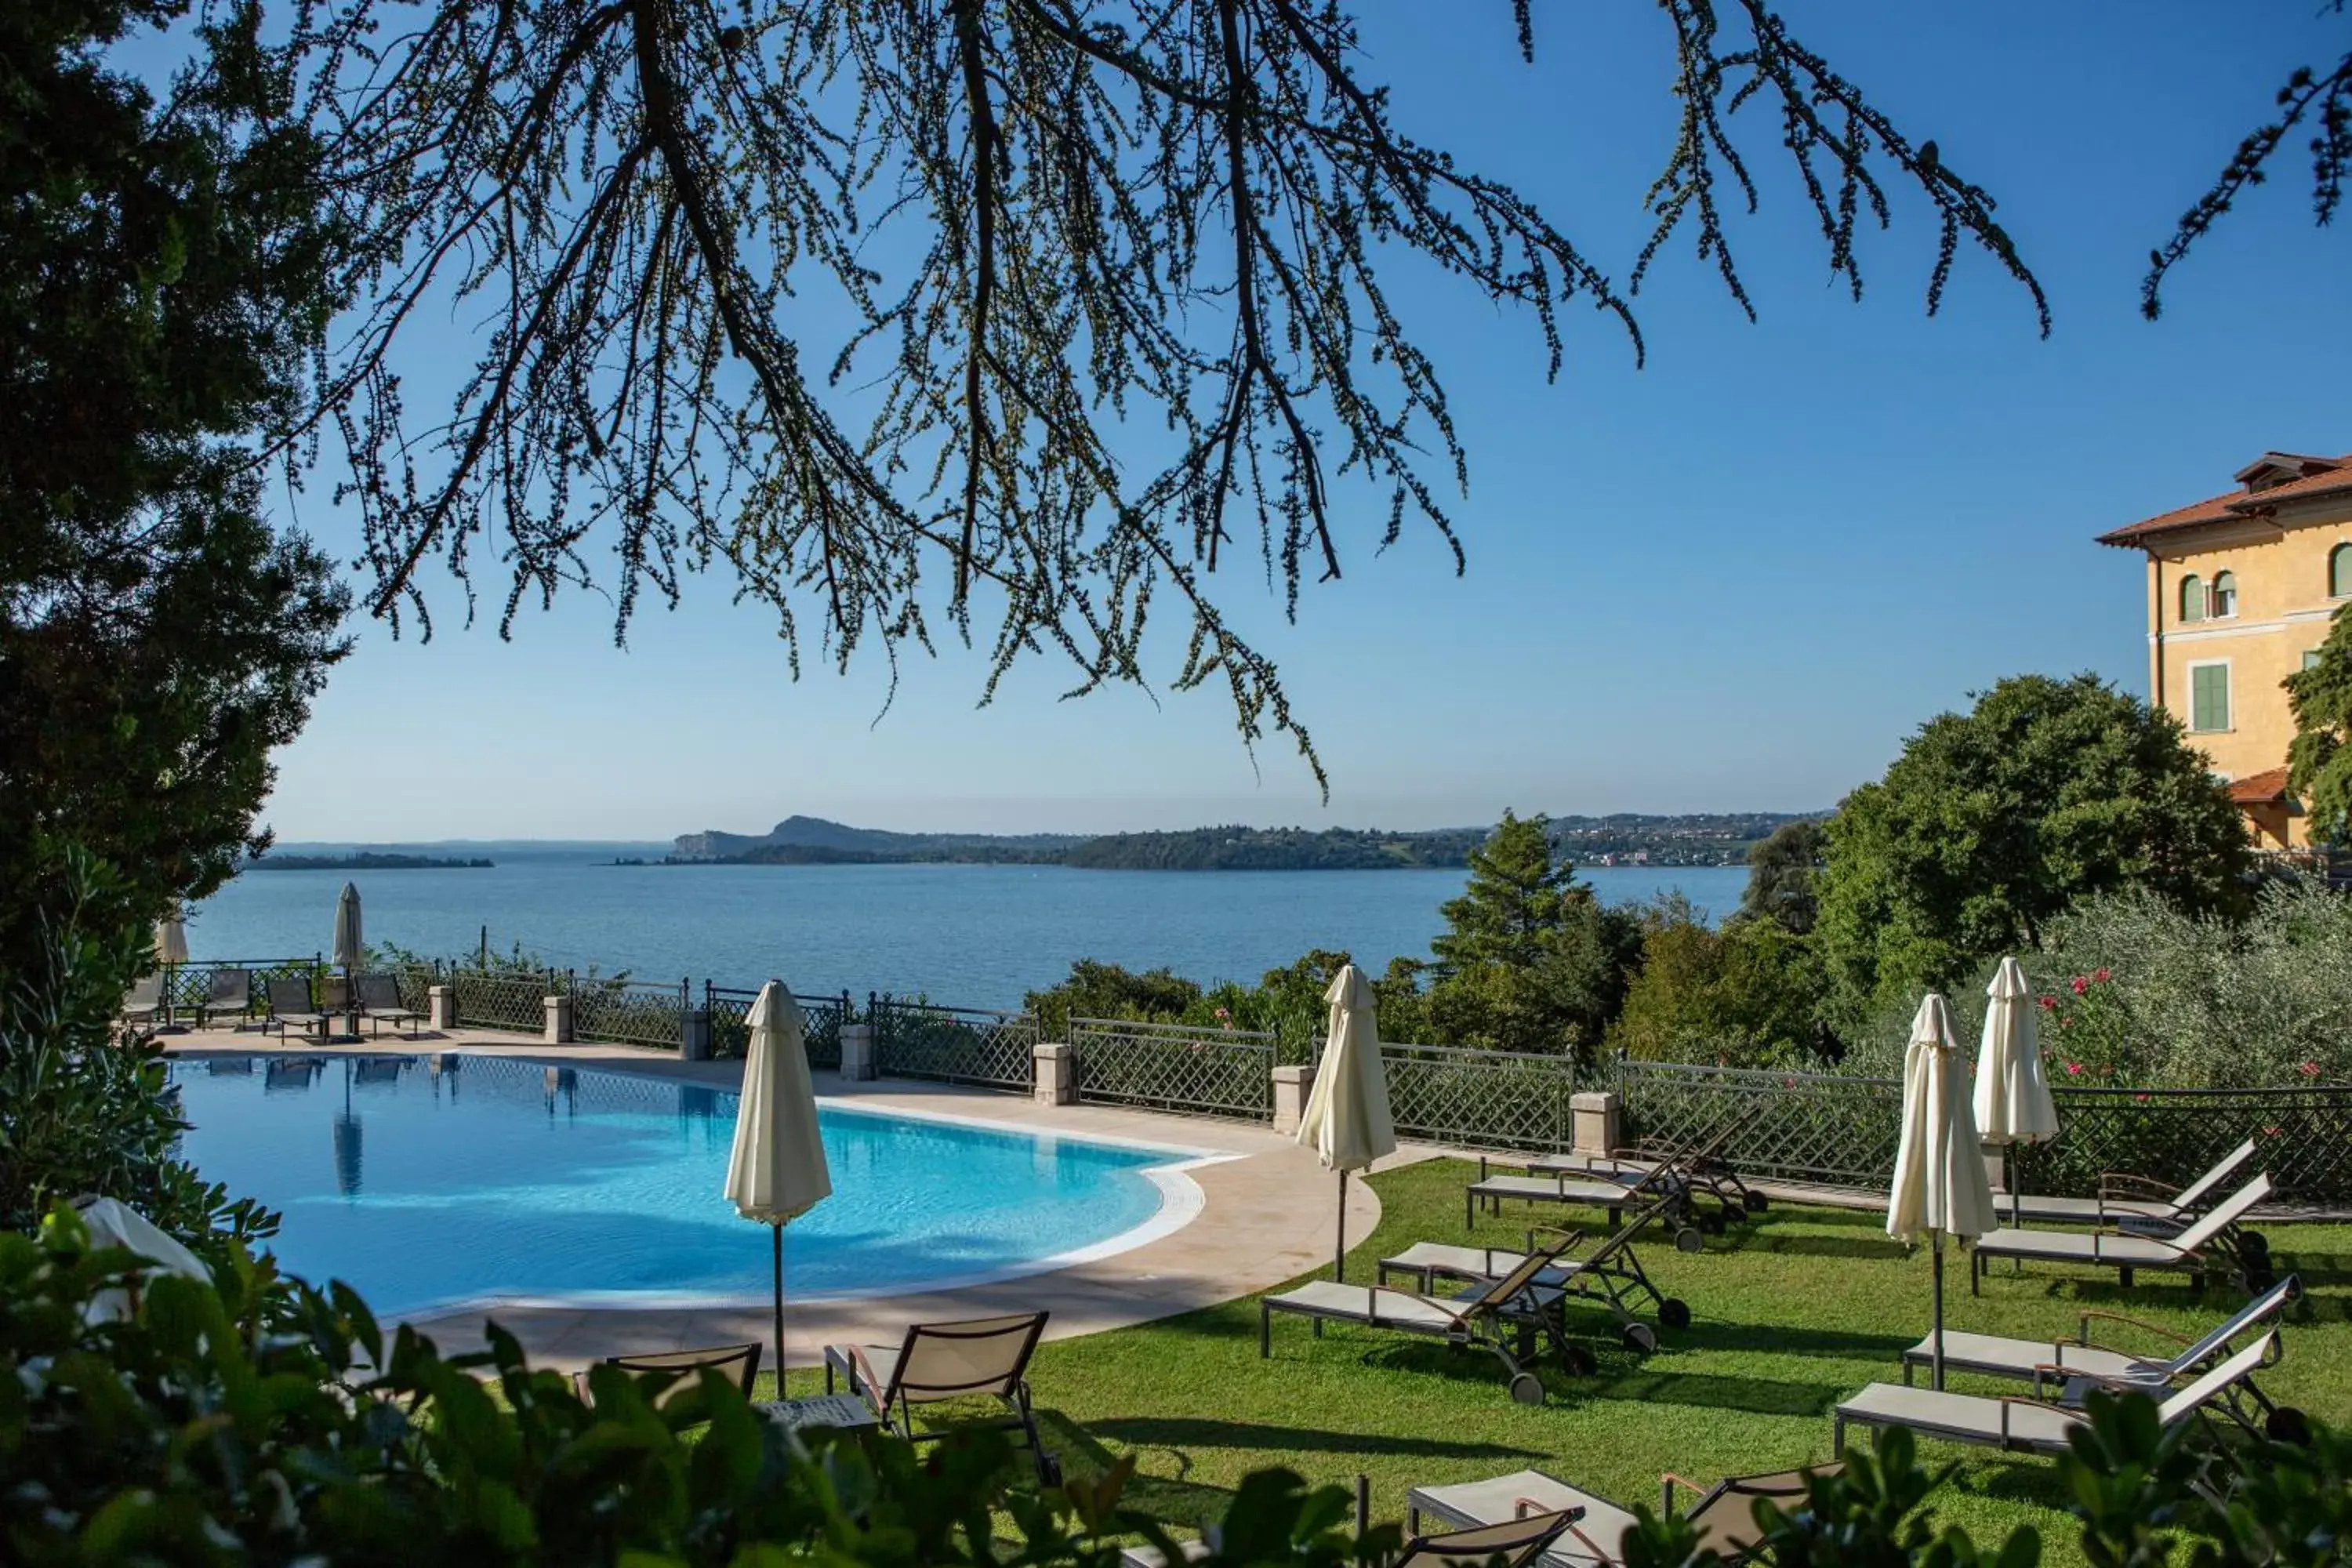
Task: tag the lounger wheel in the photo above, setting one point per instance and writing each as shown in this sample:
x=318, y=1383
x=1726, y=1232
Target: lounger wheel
x=1580, y=1362
x=1638, y=1337
x=1690, y=1239
x=1527, y=1389
x=1755, y=1202
x=1675, y=1313
x=2260, y=1275
x=1714, y=1225
x=2254, y=1243
x=2288, y=1424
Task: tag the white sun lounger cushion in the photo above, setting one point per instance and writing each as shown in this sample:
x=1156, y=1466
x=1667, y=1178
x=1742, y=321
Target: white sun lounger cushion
x=1504, y=1497
x=1968, y=1416
x=1992, y=1352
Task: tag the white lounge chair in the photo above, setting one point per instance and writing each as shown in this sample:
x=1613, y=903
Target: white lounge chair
x=2068, y=1369
x=2128, y=1202
x=2071, y=1367
x=1723, y=1513
x=1616, y=1185
x=1477, y=1319
x=1610, y=1274
x=2206, y=1247
x=2027, y=1426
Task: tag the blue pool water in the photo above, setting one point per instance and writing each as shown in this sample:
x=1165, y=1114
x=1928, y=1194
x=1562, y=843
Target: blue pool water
x=425, y=1186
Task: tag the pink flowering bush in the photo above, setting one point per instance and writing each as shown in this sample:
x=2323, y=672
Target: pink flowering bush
x=2135, y=994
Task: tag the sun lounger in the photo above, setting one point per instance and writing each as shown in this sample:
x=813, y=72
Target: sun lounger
x=1724, y=1514
x=379, y=1000
x=1480, y=1318
x=2026, y=1425
x=2130, y=1203
x=984, y=1357
x=1702, y=1168
x=145, y=1004
x=2071, y=1368
x=2206, y=1247
x=289, y=1004
x=1616, y=1186
x=230, y=992
x=1514, y=1539
x=1610, y=1274
x=739, y=1361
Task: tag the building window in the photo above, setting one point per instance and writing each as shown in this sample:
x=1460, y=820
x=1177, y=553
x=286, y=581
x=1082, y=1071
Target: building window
x=2225, y=594
x=2209, y=698
x=2192, y=598
x=2339, y=572
x=2311, y=659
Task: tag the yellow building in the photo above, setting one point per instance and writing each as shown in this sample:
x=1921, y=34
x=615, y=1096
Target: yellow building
x=2239, y=591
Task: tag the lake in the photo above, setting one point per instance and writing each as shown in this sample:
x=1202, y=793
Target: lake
x=975, y=936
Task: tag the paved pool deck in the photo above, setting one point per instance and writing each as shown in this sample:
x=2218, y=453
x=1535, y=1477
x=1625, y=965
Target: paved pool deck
x=1267, y=1213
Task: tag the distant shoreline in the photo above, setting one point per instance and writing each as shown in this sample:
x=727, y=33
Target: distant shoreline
x=361, y=863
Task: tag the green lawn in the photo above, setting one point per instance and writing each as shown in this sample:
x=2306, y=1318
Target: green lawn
x=1791, y=1312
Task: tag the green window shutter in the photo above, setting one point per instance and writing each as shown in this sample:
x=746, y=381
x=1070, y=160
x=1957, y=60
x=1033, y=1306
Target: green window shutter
x=2209, y=697
x=2225, y=594
x=2339, y=573
x=2311, y=659
x=2192, y=599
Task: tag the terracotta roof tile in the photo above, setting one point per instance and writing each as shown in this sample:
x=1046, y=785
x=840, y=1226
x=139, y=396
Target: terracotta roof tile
x=2260, y=789
x=2238, y=503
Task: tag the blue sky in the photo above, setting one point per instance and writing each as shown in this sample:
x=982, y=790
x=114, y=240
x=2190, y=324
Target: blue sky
x=1735, y=579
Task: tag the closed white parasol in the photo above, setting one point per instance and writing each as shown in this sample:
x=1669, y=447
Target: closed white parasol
x=111, y=1223
x=2012, y=1100
x=777, y=1171
x=1939, y=1178
x=1347, y=1120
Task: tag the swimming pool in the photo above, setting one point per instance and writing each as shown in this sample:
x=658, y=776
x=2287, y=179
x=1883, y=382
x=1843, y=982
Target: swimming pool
x=432, y=1183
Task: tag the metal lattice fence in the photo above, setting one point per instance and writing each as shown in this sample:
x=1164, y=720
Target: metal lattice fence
x=2303, y=1139
x=1174, y=1067
x=416, y=981
x=1481, y=1100
x=729, y=1006
x=629, y=1013
x=953, y=1044
x=503, y=999
x=821, y=1021
x=1797, y=1126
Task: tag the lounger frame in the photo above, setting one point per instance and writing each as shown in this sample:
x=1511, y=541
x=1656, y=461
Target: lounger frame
x=2209, y=1247
x=2218, y=1392
x=1476, y=1320
x=1611, y=1276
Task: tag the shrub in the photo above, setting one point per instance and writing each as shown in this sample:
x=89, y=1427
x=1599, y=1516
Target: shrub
x=1743, y=995
x=82, y=1111
x=2140, y=993
x=199, y=1429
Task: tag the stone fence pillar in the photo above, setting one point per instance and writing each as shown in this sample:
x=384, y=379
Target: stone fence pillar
x=1292, y=1085
x=441, y=1007
x=694, y=1035
x=1596, y=1114
x=857, y=1062
x=558, y=1031
x=1055, y=1073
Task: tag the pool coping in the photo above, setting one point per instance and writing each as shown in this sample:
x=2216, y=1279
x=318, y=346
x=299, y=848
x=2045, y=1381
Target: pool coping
x=1266, y=1216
